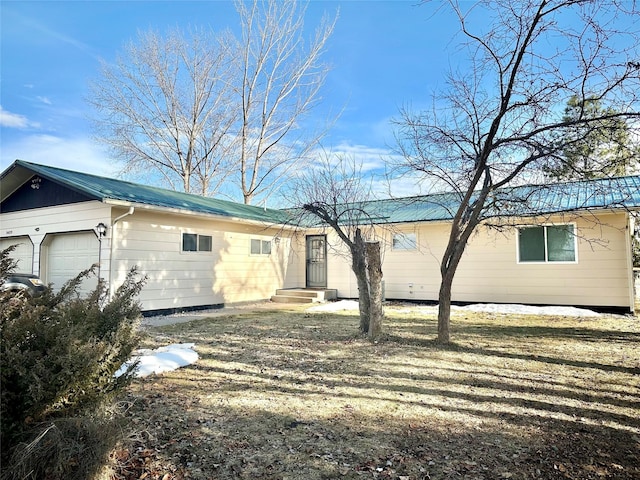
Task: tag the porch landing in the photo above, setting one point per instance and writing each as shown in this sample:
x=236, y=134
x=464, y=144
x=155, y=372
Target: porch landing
x=304, y=295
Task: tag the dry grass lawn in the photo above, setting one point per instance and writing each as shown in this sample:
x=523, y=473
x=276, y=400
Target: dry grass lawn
x=284, y=394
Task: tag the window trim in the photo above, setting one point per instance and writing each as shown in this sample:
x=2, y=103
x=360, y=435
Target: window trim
x=546, y=261
x=198, y=236
x=412, y=248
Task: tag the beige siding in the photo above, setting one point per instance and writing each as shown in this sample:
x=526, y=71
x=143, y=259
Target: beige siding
x=176, y=279
x=489, y=270
x=339, y=274
x=43, y=222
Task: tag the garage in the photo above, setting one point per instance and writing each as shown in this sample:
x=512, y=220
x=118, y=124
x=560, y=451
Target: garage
x=67, y=254
x=23, y=253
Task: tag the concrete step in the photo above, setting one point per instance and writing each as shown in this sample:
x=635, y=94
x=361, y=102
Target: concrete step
x=292, y=299
x=304, y=295
x=299, y=292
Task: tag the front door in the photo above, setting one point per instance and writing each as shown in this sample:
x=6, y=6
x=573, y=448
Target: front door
x=316, y=261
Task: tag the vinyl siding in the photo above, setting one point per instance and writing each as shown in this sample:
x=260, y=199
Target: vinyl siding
x=176, y=279
x=37, y=224
x=489, y=270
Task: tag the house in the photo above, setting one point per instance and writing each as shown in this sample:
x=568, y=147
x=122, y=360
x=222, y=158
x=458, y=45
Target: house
x=569, y=244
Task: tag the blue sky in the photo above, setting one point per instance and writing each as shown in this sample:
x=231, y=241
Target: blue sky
x=385, y=54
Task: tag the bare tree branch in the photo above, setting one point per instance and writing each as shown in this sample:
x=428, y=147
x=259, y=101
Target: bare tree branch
x=281, y=79
x=165, y=108
x=499, y=123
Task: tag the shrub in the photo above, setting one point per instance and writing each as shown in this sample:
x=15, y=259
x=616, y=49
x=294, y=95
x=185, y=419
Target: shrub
x=58, y=356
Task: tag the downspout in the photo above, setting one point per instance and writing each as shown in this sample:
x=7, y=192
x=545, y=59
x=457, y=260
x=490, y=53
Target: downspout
x=629, y=247
x=113, y=238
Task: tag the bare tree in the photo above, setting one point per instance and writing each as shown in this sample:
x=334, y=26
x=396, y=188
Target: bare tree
x=499, y=118
x=279, y=83
x=165, y=108
x=333, y=194
x=202, y=110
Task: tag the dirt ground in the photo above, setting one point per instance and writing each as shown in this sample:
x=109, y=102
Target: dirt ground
x=281, y=393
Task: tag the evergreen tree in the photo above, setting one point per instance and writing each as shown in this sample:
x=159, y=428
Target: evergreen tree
x=593, y=149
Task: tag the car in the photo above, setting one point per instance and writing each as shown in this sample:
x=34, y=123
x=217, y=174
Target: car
x=28, y=283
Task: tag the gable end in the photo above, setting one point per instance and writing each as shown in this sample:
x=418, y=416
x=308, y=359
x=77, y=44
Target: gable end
x=40, y=192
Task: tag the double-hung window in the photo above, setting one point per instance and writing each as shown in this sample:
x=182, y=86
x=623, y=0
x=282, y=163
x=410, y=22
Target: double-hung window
x=192, y=242
x=546, y=244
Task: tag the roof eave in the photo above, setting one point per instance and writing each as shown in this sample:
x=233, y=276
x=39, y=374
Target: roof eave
x=191, y=213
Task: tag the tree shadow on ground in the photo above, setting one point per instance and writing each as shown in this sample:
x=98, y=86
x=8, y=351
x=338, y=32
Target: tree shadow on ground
x=221, y=442
x=306, y=397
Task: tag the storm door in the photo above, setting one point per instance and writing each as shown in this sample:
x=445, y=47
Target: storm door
x=316, y=261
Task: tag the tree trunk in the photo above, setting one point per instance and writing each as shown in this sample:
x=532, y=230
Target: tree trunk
x=374, y=270
x=448, y=271
x=444, y=306
x=359, y=266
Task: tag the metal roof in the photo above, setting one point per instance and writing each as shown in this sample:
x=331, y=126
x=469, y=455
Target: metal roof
x=106, y=189
x=528, y=200
x=522, y=201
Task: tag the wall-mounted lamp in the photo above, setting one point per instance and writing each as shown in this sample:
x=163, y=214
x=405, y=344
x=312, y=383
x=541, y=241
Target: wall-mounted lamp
x=276, y=240
x=101, y=228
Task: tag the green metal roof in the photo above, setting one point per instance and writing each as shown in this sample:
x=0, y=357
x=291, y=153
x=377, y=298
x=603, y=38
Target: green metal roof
x=528, y=200
x=105, y=189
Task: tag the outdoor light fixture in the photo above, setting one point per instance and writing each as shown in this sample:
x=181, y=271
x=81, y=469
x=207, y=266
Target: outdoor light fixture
x=101, y=228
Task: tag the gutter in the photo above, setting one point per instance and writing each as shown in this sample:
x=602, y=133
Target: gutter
x=178, y=211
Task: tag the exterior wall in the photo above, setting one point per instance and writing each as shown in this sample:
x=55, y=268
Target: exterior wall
x=152, y=241
x=600, y=277
x=228, y=274
x=339, y=274
x=42, y=222
x=490, y=272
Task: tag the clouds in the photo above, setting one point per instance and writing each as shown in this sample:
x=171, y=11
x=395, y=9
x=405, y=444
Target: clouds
x=15, y=120
x=74, y=153
x=26, y=139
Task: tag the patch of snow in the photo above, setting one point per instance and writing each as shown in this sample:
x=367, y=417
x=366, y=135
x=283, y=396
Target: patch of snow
x=163, y=359
x=478, y=307
x=528, y=310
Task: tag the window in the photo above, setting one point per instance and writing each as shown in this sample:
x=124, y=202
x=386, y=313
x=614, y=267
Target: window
x=404, y=241
x=192, y=242
x=189, y=242
x=549, y=243
x=204, y=243
x=260, y=247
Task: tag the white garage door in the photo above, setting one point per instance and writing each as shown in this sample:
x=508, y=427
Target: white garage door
x=23, y=253
x=68, y=254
